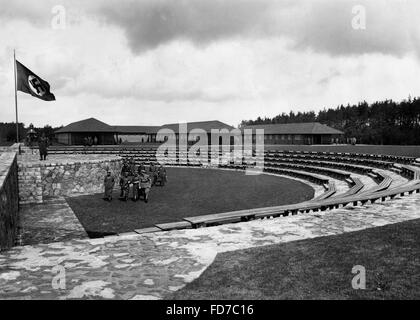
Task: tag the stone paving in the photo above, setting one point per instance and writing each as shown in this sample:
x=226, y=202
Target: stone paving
x=51, y=221
x=151, y=266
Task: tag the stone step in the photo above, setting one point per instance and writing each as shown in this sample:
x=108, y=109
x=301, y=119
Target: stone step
x=147, y=230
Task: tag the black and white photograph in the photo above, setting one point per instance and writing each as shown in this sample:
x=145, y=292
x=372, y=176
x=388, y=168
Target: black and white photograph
x=209, y=155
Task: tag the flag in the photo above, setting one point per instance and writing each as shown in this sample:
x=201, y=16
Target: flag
x=30, y=83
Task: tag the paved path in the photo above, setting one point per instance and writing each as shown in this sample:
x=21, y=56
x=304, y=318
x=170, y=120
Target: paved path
x=51, y=221
x=153, y=265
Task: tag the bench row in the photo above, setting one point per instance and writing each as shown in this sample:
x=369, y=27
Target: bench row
x=136, y=149
x=382, y=157
x=317, y=204
x=322, y=205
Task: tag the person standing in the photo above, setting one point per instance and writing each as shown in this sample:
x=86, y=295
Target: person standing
x=162, y=178
x=141, y=168
x=109, y=183
x=132, y=167
x=145, y=185
x=136, y=186
x=153, y=173
x=125, y=186
x=125, y=168
x=43, y=147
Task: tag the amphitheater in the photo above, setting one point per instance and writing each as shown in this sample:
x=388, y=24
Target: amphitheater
x=352, y=192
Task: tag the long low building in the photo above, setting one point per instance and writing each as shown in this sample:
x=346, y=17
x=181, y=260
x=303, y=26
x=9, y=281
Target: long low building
x=298, y=133
x=103, y=134
x=76, y=133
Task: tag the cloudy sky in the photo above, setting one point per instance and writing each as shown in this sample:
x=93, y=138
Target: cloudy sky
x=161, y=61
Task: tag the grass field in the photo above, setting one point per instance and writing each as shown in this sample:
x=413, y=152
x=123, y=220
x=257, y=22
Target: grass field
x=189, y=192
x=318, y=268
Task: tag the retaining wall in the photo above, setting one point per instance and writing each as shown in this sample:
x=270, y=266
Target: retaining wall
x=39, y=181
x=9, y=199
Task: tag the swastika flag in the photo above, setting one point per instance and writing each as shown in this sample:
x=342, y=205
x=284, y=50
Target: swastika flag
x=29, y=82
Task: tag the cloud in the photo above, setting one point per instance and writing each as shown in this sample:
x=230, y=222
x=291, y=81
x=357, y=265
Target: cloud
x=150, y=23
x=323, y=26
x=320, y=25
x=30, y=11
x=326, y=26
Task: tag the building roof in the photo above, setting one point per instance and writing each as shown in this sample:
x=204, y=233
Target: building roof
x=94, y=125
x=295, y=128
x=136, y=129
x=87, y=125
x=205, y=125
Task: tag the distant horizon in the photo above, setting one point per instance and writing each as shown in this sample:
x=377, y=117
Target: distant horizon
x=234, y=125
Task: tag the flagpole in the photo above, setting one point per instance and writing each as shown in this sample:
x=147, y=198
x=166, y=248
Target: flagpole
x=16, y=106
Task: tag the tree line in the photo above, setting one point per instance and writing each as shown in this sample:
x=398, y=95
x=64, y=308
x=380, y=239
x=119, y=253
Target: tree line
x=381, y=122
x=8, y=132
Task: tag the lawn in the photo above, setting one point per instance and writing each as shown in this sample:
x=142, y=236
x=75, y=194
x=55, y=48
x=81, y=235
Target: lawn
x=318, y=268
x=189, y=192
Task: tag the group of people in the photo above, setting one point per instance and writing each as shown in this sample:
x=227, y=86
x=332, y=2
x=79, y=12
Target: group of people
x=141, y=179
x=89, y=141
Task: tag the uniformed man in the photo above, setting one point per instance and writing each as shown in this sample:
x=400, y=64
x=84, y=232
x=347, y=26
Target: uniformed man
x=125, y=186
x=136, y=186
x=162, y=178
x=153, y=173
x=125, y=168
x=109, y=183
x=145, y=185
x=132, y=166
x=141, y=168
x=43, y=147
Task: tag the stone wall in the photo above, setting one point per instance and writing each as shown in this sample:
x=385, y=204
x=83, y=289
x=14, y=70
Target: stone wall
x=39, y=181
x=9, y=203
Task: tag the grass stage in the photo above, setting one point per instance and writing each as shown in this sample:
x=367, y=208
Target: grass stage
x=189, y=192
